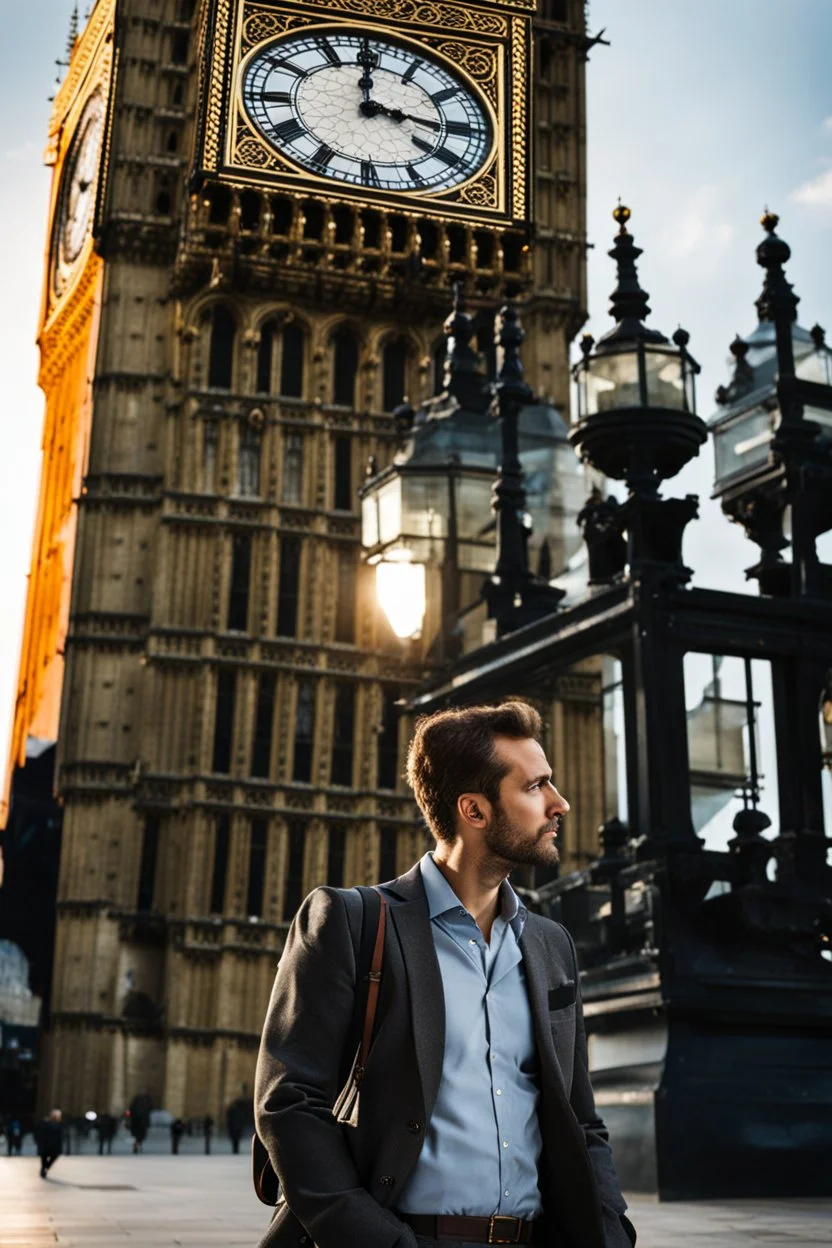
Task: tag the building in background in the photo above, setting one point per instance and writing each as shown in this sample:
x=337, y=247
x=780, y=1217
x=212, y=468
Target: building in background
x=245, y=278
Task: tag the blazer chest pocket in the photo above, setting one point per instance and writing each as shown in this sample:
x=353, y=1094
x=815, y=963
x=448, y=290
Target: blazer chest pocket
x=562, y=996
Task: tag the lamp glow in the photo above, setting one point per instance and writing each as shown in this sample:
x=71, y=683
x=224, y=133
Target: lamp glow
x=400, y=589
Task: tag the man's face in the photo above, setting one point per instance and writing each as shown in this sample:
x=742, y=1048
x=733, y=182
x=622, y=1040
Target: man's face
x=522, y=829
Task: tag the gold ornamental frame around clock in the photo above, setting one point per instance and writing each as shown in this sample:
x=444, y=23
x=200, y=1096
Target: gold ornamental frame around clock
x=488, y=49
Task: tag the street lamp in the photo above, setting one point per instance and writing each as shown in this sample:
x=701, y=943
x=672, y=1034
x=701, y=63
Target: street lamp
x=773, y=433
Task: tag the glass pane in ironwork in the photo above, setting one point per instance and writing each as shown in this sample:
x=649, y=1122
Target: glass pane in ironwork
x=612, y=381
x=663, y=371
x=731, y=743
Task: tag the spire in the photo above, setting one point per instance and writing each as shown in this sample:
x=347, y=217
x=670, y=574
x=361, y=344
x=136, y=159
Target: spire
x=72, y=38
x=462, y=376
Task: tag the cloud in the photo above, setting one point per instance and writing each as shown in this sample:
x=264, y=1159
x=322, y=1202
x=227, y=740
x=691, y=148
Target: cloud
x=699, y=233
x=826, y=125
x=817, y=192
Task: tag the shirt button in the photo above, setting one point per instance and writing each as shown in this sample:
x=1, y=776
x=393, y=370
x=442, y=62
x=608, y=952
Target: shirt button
x=505, y=1143
x=506, y=1192
x=414, y=1126
x=499, y=1091
x=461, y=911
x=472, y=941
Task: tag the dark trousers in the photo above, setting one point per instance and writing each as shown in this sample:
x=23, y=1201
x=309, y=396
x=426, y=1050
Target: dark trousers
x=47, y=1160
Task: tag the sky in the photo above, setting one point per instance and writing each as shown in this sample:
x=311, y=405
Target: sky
x=699, y=115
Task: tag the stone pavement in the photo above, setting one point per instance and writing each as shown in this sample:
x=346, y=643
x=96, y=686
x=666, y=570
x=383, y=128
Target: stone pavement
x=153, y=1202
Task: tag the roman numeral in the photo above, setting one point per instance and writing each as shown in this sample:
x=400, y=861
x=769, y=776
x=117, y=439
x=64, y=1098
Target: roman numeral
x=407, y=76
x=462, y=128
x=369, y=177
x=276, y=97
x=441, y=96
x=289, y=130
x=414, y=175
x=440, y=153
x=279, y=63
x=327, y=50
x=323, y=155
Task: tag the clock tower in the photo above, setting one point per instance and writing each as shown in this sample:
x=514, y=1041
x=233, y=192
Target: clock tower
x=259, y=211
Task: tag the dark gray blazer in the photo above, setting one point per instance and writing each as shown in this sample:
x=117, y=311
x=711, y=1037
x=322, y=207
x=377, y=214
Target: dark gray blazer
x=340, y=1183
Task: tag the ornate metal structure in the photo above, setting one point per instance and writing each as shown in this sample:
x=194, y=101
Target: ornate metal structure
x=706, y=969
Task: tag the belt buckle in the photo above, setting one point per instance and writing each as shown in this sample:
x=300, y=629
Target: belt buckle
x=493, y=1230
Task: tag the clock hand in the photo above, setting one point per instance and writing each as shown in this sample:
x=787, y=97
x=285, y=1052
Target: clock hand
x=372, y=108
x=368, y=60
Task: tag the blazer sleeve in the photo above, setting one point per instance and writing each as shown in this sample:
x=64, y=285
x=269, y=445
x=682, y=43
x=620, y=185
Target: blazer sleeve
x=619, y=1231
x=296, y=1083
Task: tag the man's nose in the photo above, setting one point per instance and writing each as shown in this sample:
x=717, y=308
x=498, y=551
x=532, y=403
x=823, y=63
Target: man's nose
x=557, y=802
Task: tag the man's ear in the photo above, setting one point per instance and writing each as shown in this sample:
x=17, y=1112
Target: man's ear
x=474, y=809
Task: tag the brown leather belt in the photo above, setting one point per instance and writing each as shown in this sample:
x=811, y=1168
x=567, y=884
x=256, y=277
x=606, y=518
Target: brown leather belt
x=495, y=1230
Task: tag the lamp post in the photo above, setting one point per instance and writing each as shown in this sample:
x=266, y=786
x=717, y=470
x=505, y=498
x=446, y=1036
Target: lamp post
x=636, y=422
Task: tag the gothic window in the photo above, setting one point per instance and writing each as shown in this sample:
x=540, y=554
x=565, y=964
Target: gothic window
x=222, y=332
x=439, y=352
x=344, y=367
x=292, y=491
x=224, y=723
x=387, y=853
x=288, y=587
x=263, y=726
x=555, y=10
x=265, y=357
x=248, y=461
x=343, y=734
x=147, y=868
x=238, y=594
x=256, y=868
x=219, y=874
x=291, y=362
x=344, y=500
x=345, y=608
x=394, y=373
x=179, y=52
x=336, y=853
x=388, y=741
x=304, y=732
x=249, y=210
x=293, y=891
x=210, y=438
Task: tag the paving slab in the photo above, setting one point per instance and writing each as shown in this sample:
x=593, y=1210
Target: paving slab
x=201, y=1202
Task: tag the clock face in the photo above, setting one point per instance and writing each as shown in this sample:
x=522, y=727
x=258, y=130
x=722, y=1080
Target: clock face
x=77, y=197
x=368, y=111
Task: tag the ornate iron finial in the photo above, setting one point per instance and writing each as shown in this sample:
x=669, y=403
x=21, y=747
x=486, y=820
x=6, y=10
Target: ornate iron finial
x=681, y=337
x=818, y=336
x=621, y=213
x=742, y=381
x=462, y=376
x=628, y=302
x=510, y=335
x=587, y=343
x=777, y=302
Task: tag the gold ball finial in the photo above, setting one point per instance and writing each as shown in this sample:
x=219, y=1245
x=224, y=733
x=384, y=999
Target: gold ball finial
x=769, y=220
x=622, y=215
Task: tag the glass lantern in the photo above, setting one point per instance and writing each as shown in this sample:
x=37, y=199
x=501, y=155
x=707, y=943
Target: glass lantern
x=635, y=373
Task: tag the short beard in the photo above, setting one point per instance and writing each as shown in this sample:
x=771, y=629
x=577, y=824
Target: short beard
x=513, y=847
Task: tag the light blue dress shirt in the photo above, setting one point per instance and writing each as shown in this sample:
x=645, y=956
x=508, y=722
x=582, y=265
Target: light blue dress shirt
x=483, y=1143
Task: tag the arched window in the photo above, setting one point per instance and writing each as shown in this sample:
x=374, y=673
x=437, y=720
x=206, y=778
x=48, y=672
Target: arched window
x=265, y=358
x=291, y=362
x=394, y=373
x=222, y=331
x=344, y=367
x=248, y=461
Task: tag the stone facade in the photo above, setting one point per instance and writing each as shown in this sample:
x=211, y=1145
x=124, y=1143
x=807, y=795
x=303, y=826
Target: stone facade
x=225, y=361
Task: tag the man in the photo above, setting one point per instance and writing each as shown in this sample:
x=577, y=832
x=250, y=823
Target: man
x=49, y=1137
x=476, y=1119
x=177, y=1130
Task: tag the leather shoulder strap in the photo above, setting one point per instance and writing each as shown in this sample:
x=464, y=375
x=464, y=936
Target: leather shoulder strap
x=374, y=978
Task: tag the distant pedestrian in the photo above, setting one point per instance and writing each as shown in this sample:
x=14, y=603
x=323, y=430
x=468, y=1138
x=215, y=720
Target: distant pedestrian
x=105, y=1126
x=49, y=1137
x=207, y=1129
x=235, y=1127
x=14, y=1138
x=177, y=1130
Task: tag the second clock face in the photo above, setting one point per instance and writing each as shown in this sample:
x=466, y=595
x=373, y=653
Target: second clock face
x=418, y=127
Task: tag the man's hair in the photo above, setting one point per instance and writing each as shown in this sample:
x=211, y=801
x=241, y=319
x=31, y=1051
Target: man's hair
x=453, y=752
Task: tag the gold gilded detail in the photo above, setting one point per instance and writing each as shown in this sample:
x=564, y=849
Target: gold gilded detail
x=483, y=193
x=213, y=118
x=423, y=12
x=519, y=110
x=261, y=26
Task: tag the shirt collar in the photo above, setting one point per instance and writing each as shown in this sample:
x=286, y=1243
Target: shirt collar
x=442, y=898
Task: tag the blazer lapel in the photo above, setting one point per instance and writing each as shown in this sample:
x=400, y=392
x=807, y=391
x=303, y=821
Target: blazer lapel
x=411, y=921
